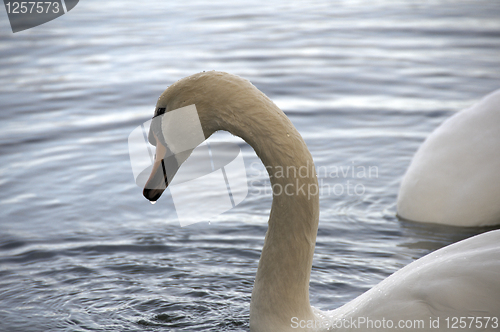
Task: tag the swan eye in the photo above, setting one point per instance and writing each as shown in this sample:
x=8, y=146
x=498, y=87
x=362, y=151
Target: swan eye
x=159, y=111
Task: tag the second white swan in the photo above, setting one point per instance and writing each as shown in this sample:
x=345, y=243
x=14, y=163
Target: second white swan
x=454, y=177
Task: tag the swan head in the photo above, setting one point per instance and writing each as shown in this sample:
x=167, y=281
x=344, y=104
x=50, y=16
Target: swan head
x=221, y=101
x=176, y=133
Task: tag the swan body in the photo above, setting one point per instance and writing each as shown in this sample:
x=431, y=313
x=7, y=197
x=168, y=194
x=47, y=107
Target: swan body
x=458, y=280
x=454, y=177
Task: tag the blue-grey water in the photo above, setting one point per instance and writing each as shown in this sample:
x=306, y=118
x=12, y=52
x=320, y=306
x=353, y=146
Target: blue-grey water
x=363, y=81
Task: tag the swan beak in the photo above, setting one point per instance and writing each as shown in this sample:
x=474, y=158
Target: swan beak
x=157, y=181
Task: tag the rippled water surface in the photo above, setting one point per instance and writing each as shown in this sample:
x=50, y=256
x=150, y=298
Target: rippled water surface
x=364, y=82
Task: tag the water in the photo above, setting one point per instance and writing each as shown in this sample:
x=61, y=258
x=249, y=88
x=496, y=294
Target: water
x=363, y=81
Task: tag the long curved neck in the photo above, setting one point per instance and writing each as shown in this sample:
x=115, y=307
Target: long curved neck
x=281, y=289
x=227, y=102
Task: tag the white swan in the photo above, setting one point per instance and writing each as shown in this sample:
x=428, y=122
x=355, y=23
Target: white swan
x=454, y=178
x=461, y=280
